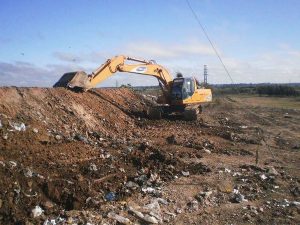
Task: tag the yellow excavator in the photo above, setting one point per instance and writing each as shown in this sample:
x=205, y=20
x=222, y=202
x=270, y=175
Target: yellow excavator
x=181, y=95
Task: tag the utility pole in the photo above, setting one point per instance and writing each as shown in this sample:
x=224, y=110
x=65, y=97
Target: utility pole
x=205, y=74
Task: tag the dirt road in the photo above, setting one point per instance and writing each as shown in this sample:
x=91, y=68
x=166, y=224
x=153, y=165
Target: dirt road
x=78, y=158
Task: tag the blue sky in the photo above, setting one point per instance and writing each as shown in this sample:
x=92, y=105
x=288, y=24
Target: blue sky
x=258, y=39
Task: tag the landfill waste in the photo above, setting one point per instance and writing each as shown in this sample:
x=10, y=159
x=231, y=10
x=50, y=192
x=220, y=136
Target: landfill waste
x=93, y=167
x=150, y=213
x=108, y=158
x=111, y=196
x=18, y=126
x=120, y=219
x=37, y=211
x=238, y=197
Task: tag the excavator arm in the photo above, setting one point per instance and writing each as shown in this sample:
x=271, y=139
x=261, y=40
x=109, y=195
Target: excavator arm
x=117, y=64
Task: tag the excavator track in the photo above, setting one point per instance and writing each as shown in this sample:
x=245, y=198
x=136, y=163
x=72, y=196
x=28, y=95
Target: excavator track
x=155, y=113
x=191, y=112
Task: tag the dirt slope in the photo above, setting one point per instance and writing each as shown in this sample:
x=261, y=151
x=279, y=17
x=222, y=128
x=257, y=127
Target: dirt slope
x=87, y=157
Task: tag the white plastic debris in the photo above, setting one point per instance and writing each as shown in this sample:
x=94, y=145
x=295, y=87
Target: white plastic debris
x=18, y=126
x=149, y=190
x=0, y=124
x=185, y=173
x=295, y=203
x=37, y=211
x=263, y=177
x=238, y=197
x=227, y=170
x=244, y=127
x=120, y=219
x=12, y=164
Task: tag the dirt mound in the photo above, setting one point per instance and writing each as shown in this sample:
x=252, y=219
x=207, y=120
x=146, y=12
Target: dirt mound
x=69, y=157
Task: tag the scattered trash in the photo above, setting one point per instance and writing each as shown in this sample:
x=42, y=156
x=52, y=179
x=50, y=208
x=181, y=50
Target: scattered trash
x=185, y=173
x=82, y=138
x=238, y=197
x=120, y=219
x=12, y=164
x=227, y=170
x=132, y=185
x=193, y=205
x=263, y=177
x=111, y=196
x=28, y=173
x=18, y=126
x=93, y=167
x=37, y=211
x=150, y=213
x=35, y=130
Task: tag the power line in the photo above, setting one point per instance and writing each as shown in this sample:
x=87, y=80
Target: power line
x=212, y=45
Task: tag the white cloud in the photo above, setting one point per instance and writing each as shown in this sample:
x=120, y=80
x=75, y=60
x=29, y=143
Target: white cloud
x=167, y=51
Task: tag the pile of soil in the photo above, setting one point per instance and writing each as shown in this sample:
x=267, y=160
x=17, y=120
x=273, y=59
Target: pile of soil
x=80, y=156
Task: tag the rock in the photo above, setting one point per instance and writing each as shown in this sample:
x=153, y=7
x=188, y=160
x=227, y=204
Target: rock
x=178, y=211
x=272, y=171
x=5, y=136
x=82, y=138
x=136, y=212
x=47, y=205
x=120, y=219
x=35, y=130
x=58, y=137
x=171, y=139
x=207, y=151
x=295, y=191
x=132, y=185
x=150, y=219
x=37, y=211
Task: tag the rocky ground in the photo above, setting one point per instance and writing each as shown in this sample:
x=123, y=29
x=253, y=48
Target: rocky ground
x=94, y=158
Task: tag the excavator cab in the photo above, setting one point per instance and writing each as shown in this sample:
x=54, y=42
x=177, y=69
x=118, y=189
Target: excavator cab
x=182, y=88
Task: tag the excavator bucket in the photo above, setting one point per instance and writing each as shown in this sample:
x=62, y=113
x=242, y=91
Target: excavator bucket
x=76, y=80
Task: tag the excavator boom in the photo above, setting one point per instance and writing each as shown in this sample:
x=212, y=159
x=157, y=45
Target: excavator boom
x=117, y=64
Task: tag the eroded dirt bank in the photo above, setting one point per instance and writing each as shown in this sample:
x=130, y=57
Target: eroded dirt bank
x=95, y=158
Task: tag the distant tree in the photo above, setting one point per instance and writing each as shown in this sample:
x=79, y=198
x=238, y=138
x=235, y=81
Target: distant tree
x=277, y=90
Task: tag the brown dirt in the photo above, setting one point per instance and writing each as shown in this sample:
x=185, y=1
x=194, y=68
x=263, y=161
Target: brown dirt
x=79, y=147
